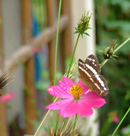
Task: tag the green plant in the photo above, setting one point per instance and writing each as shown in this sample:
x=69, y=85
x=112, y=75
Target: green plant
x=112, y=21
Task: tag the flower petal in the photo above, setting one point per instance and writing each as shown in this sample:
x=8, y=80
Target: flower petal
x=93, y=100
x=59, y=104
x=92, y=95
x=66, y=83
x=70, y=110
x=84, y=87
x=57, y=91
x=84, y=109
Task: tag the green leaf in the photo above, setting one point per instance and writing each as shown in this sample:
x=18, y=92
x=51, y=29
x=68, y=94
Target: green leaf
x=75, y=28
x=82, y=35
x=86, y=34
x=75, y=32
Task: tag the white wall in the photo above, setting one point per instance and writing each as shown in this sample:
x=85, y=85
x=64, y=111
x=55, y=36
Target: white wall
x=12, y=41
x=86, y=46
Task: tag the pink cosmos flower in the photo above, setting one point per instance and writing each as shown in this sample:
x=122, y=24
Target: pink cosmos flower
x=7, y=97
x=77, y=99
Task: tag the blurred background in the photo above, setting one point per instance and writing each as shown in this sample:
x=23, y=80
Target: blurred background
x=113, y=22
x=27, y=49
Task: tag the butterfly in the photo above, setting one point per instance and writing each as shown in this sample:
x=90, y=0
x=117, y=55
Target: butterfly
x=90, y=75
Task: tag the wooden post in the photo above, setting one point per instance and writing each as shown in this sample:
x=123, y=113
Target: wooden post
x=67, y=34
x=3, y=123
x=26, y=52
x=51, y=18
x=30, y=93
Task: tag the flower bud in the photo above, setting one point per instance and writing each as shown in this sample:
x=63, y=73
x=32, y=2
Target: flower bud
x=109, y=50
x=83, y=24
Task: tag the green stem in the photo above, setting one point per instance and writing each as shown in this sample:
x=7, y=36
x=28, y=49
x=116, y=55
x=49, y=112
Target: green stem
x=57, y=37
x=103, y=63
x=121, y=45
x=68, y=75
x=76, y=118
x=73, y=55
x=56, y=52
x=57, y=122
x=121, y=121
x=68, y=122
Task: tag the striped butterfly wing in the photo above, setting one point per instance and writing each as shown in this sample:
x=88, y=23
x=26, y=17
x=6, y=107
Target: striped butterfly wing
x=89, y=75
x=85, y=76
x=104, y=90
x=93, y=62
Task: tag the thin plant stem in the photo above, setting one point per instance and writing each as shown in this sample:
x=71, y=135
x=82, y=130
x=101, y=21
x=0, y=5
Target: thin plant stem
x=57, y=38
x=56, y=52
x=103, y=63
x=57, y=122
x=76, y=118
x=121, y=45
x=70, y=68
x=121, y=121
x=41, y=123
x=43, y=119
x=73, y=55
x=68, y=123
x=68, y=75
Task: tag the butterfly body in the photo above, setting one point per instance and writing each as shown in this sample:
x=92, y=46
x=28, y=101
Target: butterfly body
x=90, y=75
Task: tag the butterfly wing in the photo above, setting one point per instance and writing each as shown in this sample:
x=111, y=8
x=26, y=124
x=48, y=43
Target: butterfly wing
x=93, y=62
x=100, y=84
x=85, y=76
x=89, y=75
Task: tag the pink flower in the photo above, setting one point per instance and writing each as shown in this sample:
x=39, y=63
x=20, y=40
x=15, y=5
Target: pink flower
x=114, y=116
x=77, y=99
x=7, y=97
x=115, y=119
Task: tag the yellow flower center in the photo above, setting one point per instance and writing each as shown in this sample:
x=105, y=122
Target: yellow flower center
x=76, y=91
